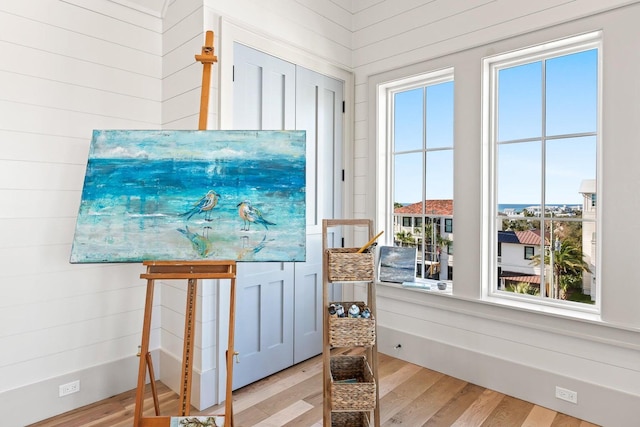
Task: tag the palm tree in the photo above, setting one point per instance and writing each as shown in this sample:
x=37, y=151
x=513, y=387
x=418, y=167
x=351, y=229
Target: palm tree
x=567, y=261
x=405, y=237
x=523, y=288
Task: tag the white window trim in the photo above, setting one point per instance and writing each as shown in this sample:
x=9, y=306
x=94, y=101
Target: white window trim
x=488, y=254
x=384, y=120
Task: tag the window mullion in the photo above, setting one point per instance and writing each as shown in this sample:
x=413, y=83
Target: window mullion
x=543, y=175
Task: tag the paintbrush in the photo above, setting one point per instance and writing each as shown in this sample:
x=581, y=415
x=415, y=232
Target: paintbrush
x=369, y=243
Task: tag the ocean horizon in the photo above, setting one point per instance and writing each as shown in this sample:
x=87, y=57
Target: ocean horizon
x=519, y=207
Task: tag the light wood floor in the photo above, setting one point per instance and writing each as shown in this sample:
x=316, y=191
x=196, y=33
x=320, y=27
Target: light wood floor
x=409, y=395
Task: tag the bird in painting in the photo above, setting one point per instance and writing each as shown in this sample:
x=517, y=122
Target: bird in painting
x=205, y=204
x=250, y=214
x=200, y=243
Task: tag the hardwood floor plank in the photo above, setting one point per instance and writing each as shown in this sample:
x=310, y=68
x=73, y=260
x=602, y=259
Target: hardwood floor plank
x=539, y=417
x=391, y=404
x=405, y=392
x=259, y=392
x=395, y=378
x=295, y=393
x=429, y=402
x=509, y=412
x=287, y=414
x=309, y=418
x=479, y=409
x=448, y=414
x=409, y=395
x=563, y=420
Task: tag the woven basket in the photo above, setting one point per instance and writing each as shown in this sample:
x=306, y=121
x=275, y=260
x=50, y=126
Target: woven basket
x=346, y=265
x=353, y=387
x=352, y=331
x=349, y=419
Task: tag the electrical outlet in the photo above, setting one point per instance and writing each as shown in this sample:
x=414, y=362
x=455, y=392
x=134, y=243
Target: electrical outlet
x=69, y=388
x=568, y=395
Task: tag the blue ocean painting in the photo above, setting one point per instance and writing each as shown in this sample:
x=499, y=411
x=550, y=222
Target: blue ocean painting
x=192, y=195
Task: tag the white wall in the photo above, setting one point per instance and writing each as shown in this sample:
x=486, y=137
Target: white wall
x=67, y=68
x=518, y=350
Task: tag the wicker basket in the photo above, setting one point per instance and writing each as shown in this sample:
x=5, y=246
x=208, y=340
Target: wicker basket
x=346, y=265
x=353, y=387
x=349, y=419
x=352, y=331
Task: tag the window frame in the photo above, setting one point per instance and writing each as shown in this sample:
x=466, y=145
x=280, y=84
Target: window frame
x=490, y=68
x=448, y=225
x=532, y=250
x=385, y=129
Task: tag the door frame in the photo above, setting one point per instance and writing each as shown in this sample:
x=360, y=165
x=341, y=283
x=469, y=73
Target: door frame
x=231, y=32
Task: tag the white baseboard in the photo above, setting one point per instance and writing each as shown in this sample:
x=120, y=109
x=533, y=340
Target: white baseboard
x=203, y=384
x=39, y=401
x=596, y=404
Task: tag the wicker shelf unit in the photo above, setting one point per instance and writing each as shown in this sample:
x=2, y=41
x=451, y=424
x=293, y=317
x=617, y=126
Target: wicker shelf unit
x=351, y=389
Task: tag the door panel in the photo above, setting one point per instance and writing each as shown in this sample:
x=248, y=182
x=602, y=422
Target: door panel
x=279, y=317
x=263, y=91
x=263, y=99
x=319, y=112
x=264, y=316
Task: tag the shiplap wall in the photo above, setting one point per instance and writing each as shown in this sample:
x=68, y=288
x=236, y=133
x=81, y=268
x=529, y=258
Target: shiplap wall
x=390, y=35
x=517, y=350
x=67, y=67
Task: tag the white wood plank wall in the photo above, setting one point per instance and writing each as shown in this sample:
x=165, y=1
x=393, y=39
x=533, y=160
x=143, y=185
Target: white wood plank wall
x=391, y=34
x=523, y=353
x=67, y=67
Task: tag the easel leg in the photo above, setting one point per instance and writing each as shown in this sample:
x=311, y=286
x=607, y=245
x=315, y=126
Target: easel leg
x=187, y=354
x=152, y=380
x=228, y=404
x=144, y=349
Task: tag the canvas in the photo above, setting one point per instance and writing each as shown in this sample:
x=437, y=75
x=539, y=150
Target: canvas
x=193, y=195
x=397, y=264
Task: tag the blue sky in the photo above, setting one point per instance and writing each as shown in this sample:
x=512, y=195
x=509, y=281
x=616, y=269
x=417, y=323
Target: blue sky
x=571, y=108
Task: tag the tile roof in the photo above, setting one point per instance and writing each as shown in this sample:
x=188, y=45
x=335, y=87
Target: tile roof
x=519, y=278
x=435, y=207
x=528, y=237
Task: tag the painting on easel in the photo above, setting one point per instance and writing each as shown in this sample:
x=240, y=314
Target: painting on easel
x=189, y=195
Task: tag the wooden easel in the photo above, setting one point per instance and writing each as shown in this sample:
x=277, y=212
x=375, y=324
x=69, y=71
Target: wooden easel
x=192, y=271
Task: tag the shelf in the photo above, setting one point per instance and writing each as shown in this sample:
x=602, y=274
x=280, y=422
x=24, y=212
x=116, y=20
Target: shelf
x=351, y=391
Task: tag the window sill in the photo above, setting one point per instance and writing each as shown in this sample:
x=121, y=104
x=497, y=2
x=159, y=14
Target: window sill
x=428, y=285
x=560, y=320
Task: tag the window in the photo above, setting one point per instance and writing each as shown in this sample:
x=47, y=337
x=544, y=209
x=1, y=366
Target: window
x=448, y=225
x=529, y=251
x=419, y=159
x=541, y=116
x=406, y=221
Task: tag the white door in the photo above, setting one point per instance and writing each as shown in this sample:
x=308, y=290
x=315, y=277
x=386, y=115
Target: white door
x=278, y=305
x=319, y=104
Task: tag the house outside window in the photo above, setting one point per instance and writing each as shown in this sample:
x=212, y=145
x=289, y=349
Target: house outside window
x=541, y=115
x=419, y=155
